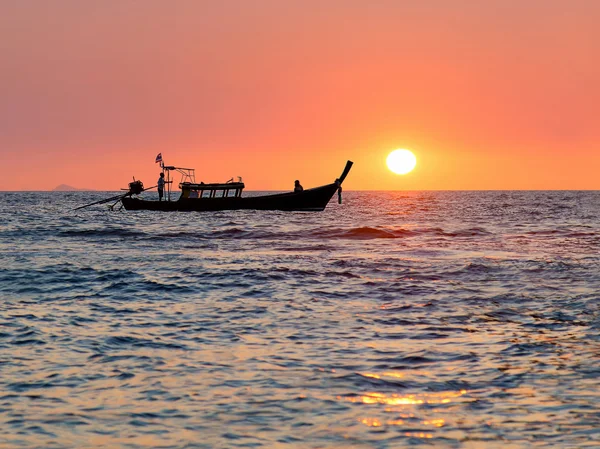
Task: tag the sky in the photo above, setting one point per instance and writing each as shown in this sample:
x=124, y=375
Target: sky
x=496, y=94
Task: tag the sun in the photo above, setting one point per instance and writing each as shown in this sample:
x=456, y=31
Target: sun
x=401, y=162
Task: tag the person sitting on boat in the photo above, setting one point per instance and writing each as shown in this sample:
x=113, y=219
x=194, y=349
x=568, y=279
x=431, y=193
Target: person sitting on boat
x=161, y=186
x=297, y=186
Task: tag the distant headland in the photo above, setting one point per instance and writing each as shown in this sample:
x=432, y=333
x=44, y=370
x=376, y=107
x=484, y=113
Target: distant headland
x=68, y=188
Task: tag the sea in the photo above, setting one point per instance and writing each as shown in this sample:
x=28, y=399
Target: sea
x=444, y=319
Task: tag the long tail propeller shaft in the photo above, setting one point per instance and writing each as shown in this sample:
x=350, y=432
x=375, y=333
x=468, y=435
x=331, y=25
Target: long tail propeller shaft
x=135, y=188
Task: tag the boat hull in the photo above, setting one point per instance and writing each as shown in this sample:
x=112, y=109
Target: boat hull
x=308, y=200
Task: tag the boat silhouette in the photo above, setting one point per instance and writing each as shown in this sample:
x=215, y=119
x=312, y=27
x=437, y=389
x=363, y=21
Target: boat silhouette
x=203, y=197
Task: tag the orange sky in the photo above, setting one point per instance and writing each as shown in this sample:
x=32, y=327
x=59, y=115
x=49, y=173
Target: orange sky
x=488, y=94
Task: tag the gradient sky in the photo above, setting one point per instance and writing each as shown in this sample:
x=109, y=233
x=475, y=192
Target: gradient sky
x=488, y=94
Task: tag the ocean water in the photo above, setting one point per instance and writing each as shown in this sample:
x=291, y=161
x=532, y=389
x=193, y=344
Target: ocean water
x=397, y=319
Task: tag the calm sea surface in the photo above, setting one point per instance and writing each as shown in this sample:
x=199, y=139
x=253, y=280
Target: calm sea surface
x=398, y=319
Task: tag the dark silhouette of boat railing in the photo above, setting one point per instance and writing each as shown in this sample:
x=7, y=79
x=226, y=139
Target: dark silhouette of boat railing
x=193, y=190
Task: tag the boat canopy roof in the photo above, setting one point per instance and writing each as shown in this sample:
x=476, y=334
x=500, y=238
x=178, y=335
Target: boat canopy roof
x=212, y=186
x=171, y=167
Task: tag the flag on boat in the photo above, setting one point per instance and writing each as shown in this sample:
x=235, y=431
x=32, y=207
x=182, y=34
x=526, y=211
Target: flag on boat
x=158, y=158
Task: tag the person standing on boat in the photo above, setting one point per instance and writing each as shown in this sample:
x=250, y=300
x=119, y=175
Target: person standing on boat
x=161, y=186
x=297, y=186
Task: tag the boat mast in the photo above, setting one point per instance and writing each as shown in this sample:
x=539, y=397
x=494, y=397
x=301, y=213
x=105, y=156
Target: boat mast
x=169, y=184
x=168, y=180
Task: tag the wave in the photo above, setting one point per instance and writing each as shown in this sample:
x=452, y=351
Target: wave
x=107, y=232
x=240, y=233
x=127, y=341
x=355, y=233
x=366, y=232
x=371, y=233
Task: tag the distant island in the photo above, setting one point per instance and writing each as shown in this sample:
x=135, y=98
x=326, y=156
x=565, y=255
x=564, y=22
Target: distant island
x=68, y=188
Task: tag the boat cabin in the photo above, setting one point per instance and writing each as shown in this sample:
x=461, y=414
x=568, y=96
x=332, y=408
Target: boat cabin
x=224, y=190
x=190, y=189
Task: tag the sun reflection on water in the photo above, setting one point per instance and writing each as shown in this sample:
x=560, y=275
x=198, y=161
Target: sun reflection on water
x=379, y=376
x=418, y=435
x=409, y=399
x=435, y=422
x=393, y=400
x=374, y=422
x=371, y=422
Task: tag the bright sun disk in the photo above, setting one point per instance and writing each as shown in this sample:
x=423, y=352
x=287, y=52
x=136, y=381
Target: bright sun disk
x=401, y=162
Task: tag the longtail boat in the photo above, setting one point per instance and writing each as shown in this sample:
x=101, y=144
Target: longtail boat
x=203, y=197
